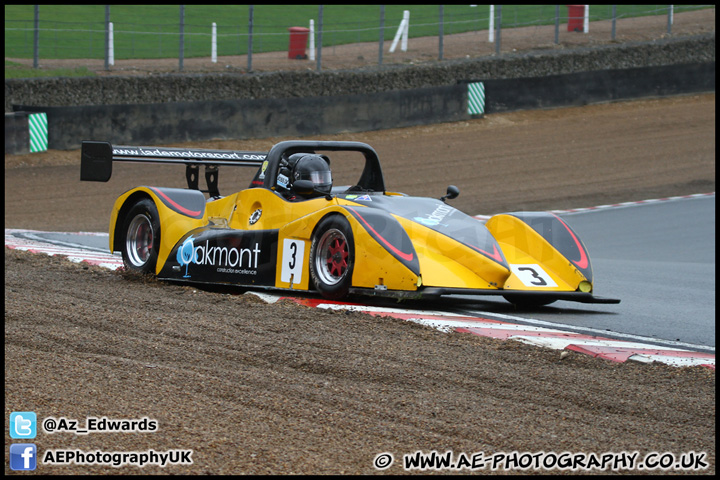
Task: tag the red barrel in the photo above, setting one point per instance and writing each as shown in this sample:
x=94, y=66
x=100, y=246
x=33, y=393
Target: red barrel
x=298, y=42
x=576, y=17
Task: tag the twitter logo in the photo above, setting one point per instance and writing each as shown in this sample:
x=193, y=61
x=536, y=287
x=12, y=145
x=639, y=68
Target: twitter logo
x=23, y=425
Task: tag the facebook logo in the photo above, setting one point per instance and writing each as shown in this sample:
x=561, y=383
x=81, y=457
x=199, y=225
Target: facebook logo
x=23, y=456
x=23, y=425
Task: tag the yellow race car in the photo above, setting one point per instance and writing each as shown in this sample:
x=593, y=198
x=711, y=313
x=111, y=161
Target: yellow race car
x=294, y=229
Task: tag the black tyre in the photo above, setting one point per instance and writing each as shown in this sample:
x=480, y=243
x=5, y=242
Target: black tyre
x=140, y=240
x=332, y=257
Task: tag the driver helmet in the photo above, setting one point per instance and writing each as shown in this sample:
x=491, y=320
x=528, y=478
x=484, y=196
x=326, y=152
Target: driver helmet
x=313, y=167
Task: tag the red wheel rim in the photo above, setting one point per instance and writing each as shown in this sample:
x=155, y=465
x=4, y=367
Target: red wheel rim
x=332, y=259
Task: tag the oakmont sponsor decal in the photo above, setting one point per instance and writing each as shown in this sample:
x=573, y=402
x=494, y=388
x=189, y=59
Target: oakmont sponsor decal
x=436, y=217
x=227, y=259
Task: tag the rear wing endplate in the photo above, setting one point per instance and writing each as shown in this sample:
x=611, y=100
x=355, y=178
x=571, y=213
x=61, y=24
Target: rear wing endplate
x=97, y=158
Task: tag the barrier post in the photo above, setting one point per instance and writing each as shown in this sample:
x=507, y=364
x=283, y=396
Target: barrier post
x=406, y=19
x=402, y=32
x=491, y=26
x=111, y=44
x=213, y=45
x=311, y=55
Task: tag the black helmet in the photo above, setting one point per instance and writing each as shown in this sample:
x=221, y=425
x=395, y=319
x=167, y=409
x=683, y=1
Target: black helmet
x=315, y=168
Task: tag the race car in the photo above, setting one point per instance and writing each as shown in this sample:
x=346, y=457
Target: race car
x=294, y=229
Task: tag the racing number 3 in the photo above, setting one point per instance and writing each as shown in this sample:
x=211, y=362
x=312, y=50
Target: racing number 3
x=292, y=261
x=540, y=282
x=532, y=275
x=293, y=248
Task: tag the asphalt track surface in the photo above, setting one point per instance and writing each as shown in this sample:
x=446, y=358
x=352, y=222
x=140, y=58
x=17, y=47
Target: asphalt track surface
x=658, y=257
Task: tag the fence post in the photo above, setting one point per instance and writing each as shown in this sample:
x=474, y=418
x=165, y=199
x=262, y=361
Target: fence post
x=670, y=19
x=499, y=28
x=382, y=34
x=36, y=37
x=182, y=35
x=557, y=24
x=107, y=37
x=250, y=37
x=440, y=47
x=614, y=20
x=319, y=43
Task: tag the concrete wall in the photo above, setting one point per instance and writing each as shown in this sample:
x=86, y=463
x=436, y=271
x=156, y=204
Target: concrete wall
x=148, y=124
x=17, y=133
x=599, y=86
x=183, y=107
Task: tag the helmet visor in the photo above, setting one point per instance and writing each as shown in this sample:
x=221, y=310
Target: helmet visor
x=319, y=178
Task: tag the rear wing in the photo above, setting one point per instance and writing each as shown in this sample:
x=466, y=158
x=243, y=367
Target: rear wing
x=97, y=158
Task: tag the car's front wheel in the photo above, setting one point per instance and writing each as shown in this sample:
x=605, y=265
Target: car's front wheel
x=141, y=237
x=534, y=301
x=332, y=257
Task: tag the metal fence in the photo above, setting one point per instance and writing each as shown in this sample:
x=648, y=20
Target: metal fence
x=254, y=44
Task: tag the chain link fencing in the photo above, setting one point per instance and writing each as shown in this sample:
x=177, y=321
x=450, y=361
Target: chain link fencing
x=251, y=38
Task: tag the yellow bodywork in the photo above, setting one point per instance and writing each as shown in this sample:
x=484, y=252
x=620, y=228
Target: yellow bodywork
x=524, y=246
x=443, y=261
x=174, y=226
x=293, y=220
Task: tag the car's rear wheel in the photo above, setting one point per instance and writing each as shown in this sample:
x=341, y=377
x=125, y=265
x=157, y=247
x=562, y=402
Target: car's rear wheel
x=332, y=257
x=141, y=237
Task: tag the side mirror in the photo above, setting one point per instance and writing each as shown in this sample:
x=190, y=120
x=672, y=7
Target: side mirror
x=452, y=192
x=303, y=187
x=306, y=188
